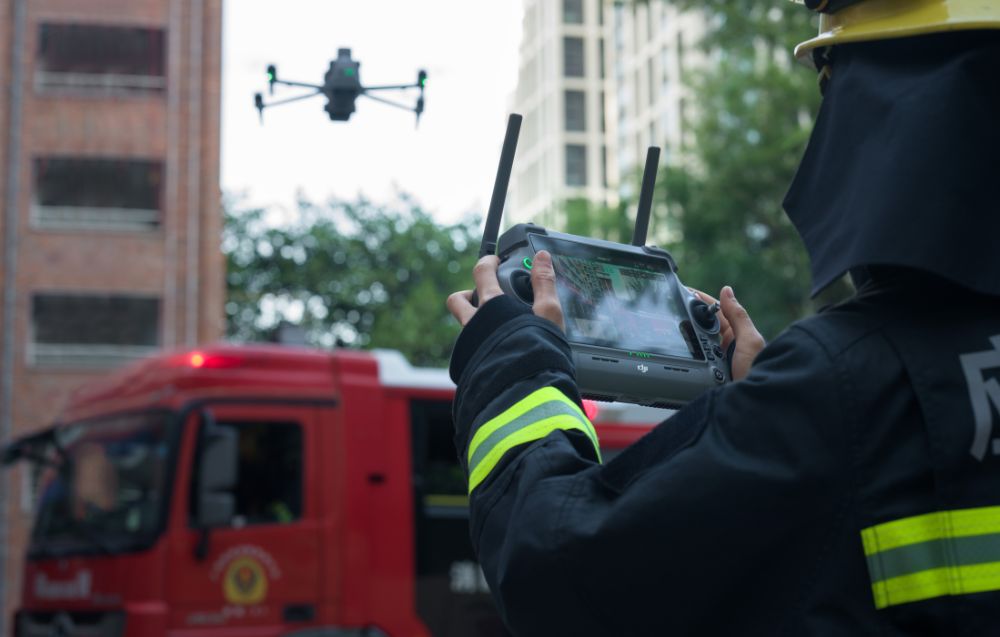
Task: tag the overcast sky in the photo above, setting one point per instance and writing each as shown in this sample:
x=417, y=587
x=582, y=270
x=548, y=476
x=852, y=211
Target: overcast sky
x=469, y=48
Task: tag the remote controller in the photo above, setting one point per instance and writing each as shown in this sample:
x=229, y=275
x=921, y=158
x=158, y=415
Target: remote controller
x=636, y=333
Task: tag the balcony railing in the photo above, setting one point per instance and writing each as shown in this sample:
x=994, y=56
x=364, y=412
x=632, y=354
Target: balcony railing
x=99, y=83
x=88, y=356
x=92, y=218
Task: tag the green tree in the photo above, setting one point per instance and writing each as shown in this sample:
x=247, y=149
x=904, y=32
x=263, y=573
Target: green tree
x=586, y=218
x=355, y=274
x=749, y=121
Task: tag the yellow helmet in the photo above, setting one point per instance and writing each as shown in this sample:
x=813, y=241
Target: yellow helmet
x=844, y=21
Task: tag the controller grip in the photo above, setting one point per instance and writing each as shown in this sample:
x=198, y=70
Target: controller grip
x=729, y=357
x=519, y=285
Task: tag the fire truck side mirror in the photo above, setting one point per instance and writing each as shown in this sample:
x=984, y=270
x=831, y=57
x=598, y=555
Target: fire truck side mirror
x=218, y=474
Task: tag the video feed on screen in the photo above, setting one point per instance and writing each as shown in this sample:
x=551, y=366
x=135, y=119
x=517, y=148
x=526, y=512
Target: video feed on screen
x=616, y=300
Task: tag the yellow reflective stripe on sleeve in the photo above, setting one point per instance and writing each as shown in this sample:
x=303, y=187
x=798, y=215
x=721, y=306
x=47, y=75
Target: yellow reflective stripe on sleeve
x=931, y=526
x=937, y=582
x=526, y=404
x=933, y=555
x=531, y=418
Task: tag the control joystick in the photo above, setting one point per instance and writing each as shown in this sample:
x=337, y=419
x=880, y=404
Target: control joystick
x=704, y=315
x=520, y=283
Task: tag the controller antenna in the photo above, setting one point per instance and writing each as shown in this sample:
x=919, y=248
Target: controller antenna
x=646, y=196
x=492, y=230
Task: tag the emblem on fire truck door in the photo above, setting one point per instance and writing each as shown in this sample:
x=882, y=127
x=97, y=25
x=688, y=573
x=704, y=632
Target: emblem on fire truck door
x=245, y=581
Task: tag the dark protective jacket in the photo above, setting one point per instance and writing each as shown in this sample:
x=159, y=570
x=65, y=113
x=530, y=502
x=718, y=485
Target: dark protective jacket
x=850, y=485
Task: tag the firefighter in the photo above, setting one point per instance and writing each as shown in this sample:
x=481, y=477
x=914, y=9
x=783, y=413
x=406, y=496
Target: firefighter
x=848, y=483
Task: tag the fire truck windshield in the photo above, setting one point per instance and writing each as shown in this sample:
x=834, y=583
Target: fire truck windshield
x=104, y=485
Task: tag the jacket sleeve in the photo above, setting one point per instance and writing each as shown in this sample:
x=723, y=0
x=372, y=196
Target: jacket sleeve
x=734, y=499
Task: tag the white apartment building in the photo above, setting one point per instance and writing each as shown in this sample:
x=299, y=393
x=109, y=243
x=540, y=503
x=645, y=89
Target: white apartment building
x=562, y=93
x=600, y=81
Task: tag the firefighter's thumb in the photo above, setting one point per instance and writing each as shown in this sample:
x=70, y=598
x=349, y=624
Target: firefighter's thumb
x=543, y=285
x=748, y=340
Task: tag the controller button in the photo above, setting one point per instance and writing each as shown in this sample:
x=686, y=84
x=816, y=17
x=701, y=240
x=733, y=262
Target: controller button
x=719, y=376
x=717, y=351
x=527, y=262
x=520, y=283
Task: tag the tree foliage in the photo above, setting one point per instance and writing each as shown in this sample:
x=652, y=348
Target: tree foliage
x=749, y=123
x=355, y=274
x=586, y=218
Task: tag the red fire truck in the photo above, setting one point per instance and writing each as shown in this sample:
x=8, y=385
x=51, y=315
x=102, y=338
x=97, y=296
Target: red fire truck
x=260, y=490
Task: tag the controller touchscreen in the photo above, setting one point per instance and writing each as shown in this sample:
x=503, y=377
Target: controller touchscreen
x=616, y=300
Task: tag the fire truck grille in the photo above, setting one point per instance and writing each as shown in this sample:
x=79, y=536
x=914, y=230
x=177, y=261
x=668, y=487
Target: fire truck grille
x=70, y=624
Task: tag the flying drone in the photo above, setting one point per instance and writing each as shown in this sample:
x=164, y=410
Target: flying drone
x=342, y=86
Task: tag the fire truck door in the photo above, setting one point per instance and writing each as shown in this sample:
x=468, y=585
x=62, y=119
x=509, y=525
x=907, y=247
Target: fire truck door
x=452, y=597
x=248, y=556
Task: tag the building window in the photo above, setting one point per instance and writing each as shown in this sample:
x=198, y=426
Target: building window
x=573, y=11
x=92, y=331
x=651, y=80
x=604, y=165
x=573, y=57
x=576, y=113
x=604, y=112
x=101, y=59
x=665, y=68
x=601, y=54
x=97, y=194
x=576, y=165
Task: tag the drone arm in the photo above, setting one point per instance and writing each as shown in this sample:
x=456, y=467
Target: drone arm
x=389, y=102
x=290, y=100
x=302, y=84
x=391, y=87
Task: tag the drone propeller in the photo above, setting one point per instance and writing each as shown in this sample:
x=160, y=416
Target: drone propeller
x=421, y=82
x=272, y=77
x=258, y=102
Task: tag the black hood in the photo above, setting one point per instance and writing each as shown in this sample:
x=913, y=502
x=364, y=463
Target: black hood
x=902, y=168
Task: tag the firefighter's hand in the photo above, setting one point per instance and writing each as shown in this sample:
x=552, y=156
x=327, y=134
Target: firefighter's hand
x=543, y=284
x=736, y=326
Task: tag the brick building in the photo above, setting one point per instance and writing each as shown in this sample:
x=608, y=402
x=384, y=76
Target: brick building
x=109, y=192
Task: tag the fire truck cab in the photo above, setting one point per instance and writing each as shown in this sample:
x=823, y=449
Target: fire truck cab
x=260, y=490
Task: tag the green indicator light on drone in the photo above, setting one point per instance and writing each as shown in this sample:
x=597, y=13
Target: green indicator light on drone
x=640, y=355
x=349, y=72
x=527, y=262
